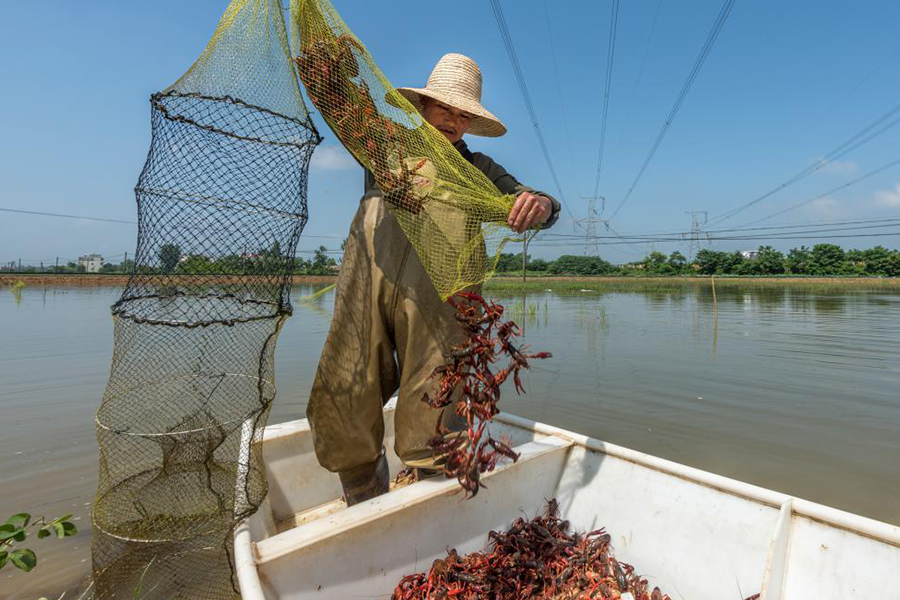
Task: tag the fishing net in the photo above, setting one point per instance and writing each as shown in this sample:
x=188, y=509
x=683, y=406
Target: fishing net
x=221, y=205
x=452, y=214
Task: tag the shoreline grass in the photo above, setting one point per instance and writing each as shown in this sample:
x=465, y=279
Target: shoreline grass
x=114, y=279
x=557, y=283
x=674, y=283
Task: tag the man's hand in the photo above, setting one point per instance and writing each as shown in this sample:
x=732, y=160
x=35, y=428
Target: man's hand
x=529, y=210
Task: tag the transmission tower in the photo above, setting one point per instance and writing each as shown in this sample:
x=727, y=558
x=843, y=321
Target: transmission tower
x=696, y=235
x=589, y=224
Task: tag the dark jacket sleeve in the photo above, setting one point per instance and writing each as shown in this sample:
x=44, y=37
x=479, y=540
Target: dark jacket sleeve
x=508, y=184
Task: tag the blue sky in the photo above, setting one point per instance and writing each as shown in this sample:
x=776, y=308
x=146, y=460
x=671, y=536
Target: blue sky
x=785, y=83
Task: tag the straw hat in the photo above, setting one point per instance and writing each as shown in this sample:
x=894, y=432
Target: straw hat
x=456, y=81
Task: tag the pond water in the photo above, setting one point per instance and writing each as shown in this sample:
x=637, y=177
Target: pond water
x=787, y=388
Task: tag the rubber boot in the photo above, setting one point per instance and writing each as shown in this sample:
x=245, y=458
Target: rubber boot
x=421, y=474
x=366, y=482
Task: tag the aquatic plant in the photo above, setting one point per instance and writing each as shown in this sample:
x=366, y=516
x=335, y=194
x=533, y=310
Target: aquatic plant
x=16, y=530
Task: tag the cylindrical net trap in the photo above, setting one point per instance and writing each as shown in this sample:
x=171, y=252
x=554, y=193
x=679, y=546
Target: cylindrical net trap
x=221, y=205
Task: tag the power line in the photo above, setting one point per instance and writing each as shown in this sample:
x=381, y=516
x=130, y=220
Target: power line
x=893, y=163
x=792, y=236
x=526, y=97
x=692, y=76
x=861, y=137
x=640, y=75
x=835, y=104
x=86, y=218
x=610, y=55
x=812, y=227
x=562, y=102
x=49, y=214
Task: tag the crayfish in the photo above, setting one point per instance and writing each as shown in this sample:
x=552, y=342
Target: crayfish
x=328, y=68
x=539, y=558
x=468, y=382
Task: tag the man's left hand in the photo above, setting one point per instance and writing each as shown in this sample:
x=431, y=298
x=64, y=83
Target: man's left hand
x=529, y=210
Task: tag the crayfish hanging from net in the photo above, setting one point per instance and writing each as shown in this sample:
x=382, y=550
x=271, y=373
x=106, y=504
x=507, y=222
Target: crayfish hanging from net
x=327, y=69
x=470, y=387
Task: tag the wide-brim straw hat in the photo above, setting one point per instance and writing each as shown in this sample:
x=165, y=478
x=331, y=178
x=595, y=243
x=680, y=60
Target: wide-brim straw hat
x=456, y=81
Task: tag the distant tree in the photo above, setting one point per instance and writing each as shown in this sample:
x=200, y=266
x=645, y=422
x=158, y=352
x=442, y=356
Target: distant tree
x=769, y=261
x=877, y=260
x=677, y=261
x=321, y=262
x=233, y=264
x=892, y=266
x=302, y=266
x=798, y=261
x=732, y=264
x=196, y=264
x=508, y=263
x=708, y=261
x=826, y=259
x=655, y=262
x=538, y=264
x=570, y=264
x=169, y=255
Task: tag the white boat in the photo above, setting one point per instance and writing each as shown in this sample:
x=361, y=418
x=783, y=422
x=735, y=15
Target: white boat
x=696, y=535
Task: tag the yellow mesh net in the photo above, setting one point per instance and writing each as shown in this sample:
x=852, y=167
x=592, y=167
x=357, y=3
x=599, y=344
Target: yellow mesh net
x=453, y=215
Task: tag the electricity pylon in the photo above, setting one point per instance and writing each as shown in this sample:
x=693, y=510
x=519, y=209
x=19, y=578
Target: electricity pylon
x=696, y=234
x=589, y=224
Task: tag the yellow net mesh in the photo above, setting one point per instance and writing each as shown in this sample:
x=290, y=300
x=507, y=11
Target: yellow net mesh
x=453, y=215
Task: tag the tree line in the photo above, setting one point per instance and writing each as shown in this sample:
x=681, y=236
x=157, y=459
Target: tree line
x=170, y=259
x=822, y=260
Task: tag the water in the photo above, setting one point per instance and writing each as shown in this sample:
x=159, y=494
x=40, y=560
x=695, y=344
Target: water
x=789, y=389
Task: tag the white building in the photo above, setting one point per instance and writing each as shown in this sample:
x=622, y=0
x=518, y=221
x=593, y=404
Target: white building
x=91, y=263
x=749, y=254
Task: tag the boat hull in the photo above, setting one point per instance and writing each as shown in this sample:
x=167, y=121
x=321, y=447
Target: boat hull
x=694, y=534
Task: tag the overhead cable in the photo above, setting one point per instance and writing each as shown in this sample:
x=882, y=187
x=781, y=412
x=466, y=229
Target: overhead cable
x=640, y=75
x=526, y=97
x=793, y=207
x=692, y=76
x=610, y=54
x=562, y=102
x=861, y=137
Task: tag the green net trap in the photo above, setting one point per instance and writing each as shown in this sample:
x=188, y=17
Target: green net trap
x=221, y=204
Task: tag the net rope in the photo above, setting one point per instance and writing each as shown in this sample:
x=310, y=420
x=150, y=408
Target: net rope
x=221, y=204
x=453, y=215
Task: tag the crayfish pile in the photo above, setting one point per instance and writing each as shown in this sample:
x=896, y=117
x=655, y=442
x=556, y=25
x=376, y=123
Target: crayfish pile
x=539, y=558
x=472, y=389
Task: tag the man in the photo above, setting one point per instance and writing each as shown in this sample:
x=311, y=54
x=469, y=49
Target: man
x=390, y=327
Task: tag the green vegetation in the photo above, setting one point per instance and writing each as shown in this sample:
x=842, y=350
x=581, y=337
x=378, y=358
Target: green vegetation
x=822, y=260
x=18, y=527
x=171, y=259
x=579, y=285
